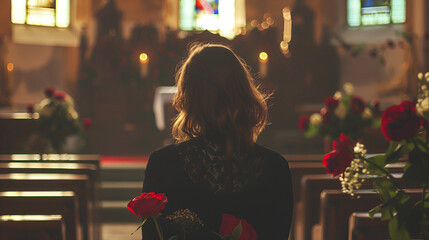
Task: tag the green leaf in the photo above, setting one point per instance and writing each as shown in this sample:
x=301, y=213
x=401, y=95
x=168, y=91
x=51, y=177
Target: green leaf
x=376, y=123
x=397, y=231
x=398, y=152
x=379, y=161
x=141, y=225
x=392, y=147
x=385, y=188
x=312, y=131
x=415, y=175
x=237, y=231
x=385, y=210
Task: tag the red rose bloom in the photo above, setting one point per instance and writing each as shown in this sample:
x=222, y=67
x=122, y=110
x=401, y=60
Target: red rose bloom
x=340, y=157
x=331, y=103
x=87, y=123
x=357, y=105
x=60, y=96
x=49, y=92
x=304, y=122
x=147, y=204
x=400, y=122
x=326, y=115
x=230, y=222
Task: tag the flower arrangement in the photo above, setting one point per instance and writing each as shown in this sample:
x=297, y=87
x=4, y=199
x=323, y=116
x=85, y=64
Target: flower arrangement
x=57, y=118
x=149, y=205
x=406, y=127
x=342, y=113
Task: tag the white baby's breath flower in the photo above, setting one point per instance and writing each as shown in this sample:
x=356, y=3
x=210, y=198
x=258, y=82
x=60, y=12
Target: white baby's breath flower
x=315, y=119
x=420, y=76
x=73, y=114
x=341, y=111
x=348, y=88
x=422, y=106
x=46, y=111
x=367, y=113
x=338, y=95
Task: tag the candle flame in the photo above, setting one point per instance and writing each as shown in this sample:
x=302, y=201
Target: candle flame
x=263, y=56
x=10, y=67
x=144, y=58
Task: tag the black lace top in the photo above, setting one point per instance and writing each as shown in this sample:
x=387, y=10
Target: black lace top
x=197, y=175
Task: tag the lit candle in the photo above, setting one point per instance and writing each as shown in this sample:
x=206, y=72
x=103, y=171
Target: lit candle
x=287, y=31
x=263, y=64
x=144, y=65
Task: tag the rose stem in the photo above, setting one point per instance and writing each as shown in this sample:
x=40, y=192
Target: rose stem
x=155, y=220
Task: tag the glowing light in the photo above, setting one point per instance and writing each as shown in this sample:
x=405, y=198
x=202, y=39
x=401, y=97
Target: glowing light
x=30, y=217
x=144, y=58
x=10, y=67
x=41, y=12
x=263, y=57
x=18, y=11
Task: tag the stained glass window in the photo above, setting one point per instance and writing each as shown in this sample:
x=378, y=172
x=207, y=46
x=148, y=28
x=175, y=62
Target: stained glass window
x=215, y=15
x=52, y=13
x=375, y=12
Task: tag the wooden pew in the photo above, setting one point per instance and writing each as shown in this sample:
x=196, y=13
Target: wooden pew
x=79, y=184
x=361, y=227
x=53, y=167
x=311, y=188
x=336, y=208
x=301, y=165
x=29, y=227
x=86, y=159
x=31, y=211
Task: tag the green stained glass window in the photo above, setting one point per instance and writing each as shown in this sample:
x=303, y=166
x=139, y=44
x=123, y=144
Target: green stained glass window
x=375, y=12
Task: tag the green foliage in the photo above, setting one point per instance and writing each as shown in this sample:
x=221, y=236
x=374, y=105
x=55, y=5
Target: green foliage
x=377, y=164
x=57, y=121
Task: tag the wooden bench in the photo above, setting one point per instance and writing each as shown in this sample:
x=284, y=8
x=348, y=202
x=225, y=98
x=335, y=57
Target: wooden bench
x=89, y=161
x=311, y=187
x=29, y=227
x=361, y=226
x=336, y=208
x=31, y=211
x=79, y=184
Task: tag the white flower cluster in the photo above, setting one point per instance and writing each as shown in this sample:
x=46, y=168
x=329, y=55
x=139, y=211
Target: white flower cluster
x=423, y=95
x=351, y=179
x=47, y=106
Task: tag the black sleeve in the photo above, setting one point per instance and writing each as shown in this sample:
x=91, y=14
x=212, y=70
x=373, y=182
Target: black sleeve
x=278, y=224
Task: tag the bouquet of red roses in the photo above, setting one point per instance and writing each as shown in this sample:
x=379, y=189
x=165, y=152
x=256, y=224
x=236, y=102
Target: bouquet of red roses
x=149, y=205
x=342, y=113
x=407, y=132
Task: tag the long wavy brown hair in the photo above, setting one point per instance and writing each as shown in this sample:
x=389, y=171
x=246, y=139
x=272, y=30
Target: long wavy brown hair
x=217, y=97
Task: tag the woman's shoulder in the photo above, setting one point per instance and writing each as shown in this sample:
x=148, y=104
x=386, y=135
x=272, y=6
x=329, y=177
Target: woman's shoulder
x=171, y=151
x=270, y=156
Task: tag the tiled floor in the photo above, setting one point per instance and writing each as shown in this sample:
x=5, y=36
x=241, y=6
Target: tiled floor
x=114, y=231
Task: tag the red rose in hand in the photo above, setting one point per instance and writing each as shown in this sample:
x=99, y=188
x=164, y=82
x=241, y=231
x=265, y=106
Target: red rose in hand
x=60, y=96
x=340, y=157
x=147, y=204
x=230, y=222
x=49, y=92
x=304, y=122
x=357, y=105
x=400, y=122
x=331, y=103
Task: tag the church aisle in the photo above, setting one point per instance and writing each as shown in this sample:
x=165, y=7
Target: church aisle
x=120, y=182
